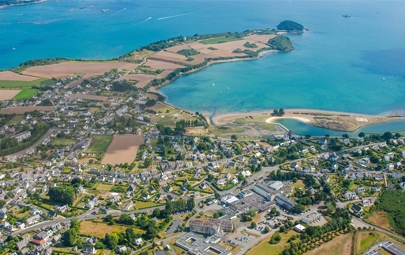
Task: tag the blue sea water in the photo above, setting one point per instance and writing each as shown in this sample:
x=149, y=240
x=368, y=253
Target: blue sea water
x=301, y=128
x=352, y=64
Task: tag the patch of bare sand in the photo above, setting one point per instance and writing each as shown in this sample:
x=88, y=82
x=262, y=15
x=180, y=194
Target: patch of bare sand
x=24, y=109
x=259, y=38
x=89, y=97
x=143, y=79
x=380, y=219
x=273, y=119
x=222, y=51
x=123, y=149
x=154, y=64
x=339, y=245
x=66, y=69
x=7, y=94
x=11, y=76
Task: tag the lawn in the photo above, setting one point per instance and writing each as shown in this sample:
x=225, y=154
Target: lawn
x=366, y=239
x=104, y=187
x=264, y=247
x=100, y=144
x=15, y=120
x=26, y=94
x=298, y=184
x=62, y=141
x=25, y=84
x=176, y=248
x=99, y=230
x=222, y=131
x=170, y=115
x=141, y=204
x=222, y=39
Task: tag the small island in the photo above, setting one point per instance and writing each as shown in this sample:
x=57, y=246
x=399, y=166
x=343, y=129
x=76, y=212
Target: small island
x=290, y=27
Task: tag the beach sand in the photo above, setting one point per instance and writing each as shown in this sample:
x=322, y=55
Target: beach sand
x=334, y=120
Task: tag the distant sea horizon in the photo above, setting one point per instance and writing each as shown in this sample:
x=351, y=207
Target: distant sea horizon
x=354, y=64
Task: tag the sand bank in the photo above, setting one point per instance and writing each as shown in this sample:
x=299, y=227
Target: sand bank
x=334, y=120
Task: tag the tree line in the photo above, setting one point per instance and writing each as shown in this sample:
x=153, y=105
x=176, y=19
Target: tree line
x=11, y=145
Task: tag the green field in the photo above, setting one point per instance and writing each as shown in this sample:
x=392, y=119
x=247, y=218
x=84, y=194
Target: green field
x=222, y=39
x=25, y=94
x=188, y=52
x=100, y=144
x=15, y=120
x=25, y=84
x=141, y=204
x=367, y=240
x=264, y=247
x=62, y=141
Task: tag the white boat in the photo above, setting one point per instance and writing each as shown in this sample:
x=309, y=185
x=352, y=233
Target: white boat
x=105, y=10
x=213, y=84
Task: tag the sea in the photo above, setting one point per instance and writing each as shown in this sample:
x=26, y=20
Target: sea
x=354, y=64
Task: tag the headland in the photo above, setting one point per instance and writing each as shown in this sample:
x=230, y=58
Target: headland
x=160, y=63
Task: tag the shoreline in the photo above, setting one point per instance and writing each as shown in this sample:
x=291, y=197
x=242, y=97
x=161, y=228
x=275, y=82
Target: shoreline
x=332, y=120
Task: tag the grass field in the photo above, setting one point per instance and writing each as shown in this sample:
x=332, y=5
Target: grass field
x=176, y=248
x=15, y=120
x=104, y=187
x=364, y=240
x=100, y=144
x=222, y=39
x=100, y=229
x=25, y=84
x=62, y=141
x=264, y=247
x=298, y=184
x=26, y=94
x=226, y=130
x=141, y=204
x=171, y=115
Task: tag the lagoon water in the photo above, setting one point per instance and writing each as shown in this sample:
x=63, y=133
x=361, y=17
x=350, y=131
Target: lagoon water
x=352, y=64
x=301, y=128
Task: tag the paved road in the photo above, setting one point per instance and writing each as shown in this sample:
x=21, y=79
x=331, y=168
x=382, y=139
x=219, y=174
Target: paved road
x=87, y=216
x=49, y=223
x=360, y=222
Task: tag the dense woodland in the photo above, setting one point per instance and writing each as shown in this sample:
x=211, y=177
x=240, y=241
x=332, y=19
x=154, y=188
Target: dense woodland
x=392, y=202
x=11, y=145
x=290, y=26
x=281, y=43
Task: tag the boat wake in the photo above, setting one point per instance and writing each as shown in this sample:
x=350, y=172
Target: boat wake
x=119, y=11
x=174, y=16
x=146, y=20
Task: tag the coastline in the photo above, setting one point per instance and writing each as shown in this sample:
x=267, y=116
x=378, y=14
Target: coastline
x=333, y=120
x=155, y=89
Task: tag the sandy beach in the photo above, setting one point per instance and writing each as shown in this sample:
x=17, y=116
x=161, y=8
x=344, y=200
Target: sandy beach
x=334, y=120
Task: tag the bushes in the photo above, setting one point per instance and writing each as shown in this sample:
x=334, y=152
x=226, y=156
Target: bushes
x=275, y=238
x=281, y=43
